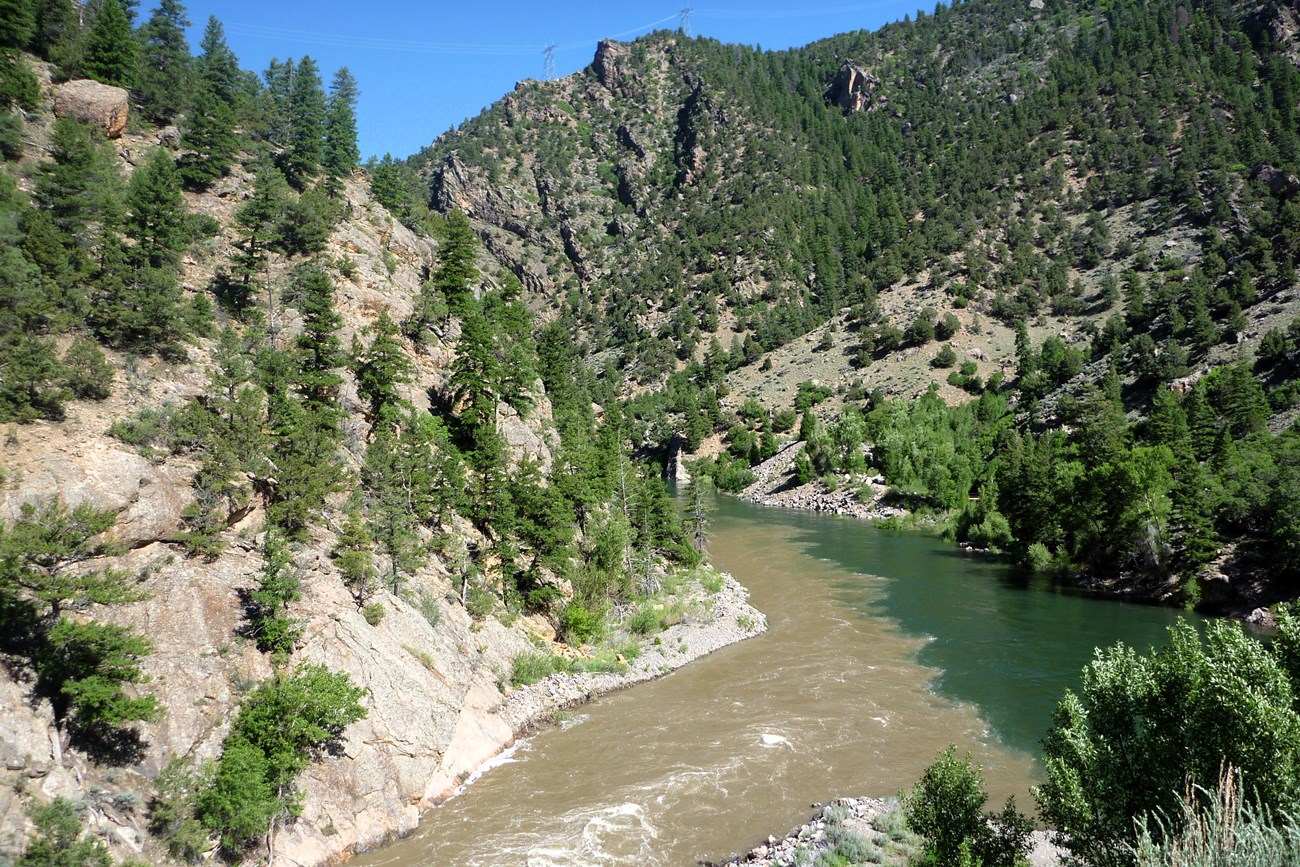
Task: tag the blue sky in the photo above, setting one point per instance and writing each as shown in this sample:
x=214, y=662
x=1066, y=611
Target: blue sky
x=424, y=67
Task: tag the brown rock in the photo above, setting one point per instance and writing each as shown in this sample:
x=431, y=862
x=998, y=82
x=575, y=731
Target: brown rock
x=94, y=103
x=853, y=88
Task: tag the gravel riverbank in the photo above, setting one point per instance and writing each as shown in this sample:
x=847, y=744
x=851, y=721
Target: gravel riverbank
x=775, y=485
x=729, y=619
x=878, y=826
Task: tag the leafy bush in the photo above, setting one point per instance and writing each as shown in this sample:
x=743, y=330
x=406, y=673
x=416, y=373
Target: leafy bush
x=1145, y=725
x=644, y=620
x=373, y=612
x=88, y=374
x=946, y=807
x=581, y=623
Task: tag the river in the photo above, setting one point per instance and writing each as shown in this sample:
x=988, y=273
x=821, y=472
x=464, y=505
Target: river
x=882, y=649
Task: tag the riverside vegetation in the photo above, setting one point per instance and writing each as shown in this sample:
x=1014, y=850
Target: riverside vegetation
x=1082, y=220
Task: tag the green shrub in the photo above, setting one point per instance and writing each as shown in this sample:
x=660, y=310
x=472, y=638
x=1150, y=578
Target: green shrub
x=945, y=807
x=1143, y=726
x=944, y=358
x=580, y=623
x=373, y=612
x=88, y=374
x=1038, y=557
x=58, y=839
x=529, y=668
x=645, y=620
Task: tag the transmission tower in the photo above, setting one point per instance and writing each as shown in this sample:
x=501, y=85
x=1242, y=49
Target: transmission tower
x=685, y=16
x=548, y=53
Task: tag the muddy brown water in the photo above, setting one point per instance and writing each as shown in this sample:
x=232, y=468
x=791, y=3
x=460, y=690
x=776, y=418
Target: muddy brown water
x=883, y=648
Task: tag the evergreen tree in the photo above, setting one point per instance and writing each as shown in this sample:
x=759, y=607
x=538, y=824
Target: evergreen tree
x=217, y=66
x=259, y=219
x=31, y=379
x=277, y=120
x=88, y=375
x=80, y=188
x=156, y=218
x=54, y=28
x=387, y=188
x=17, y=24
x=341, y=154
x=110, y=51
x=278, y=585
x=390, y=481
x=457, y=270
x=317, y=348
x=380, y=367
x=164, y=78
x=207, y=138
x=354, y=556
x=306, y=107
x=137, y=305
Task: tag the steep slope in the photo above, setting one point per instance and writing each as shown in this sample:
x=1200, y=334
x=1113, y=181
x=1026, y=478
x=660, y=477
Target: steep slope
x=1037, y=203
x=311, y=437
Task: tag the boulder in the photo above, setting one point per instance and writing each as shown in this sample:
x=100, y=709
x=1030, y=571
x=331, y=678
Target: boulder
x=1279, y=183
x=91, y=102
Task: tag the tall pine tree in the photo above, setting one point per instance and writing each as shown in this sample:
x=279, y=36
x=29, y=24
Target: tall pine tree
x=340, y=152
x=165, y=75
x=111, y=48
x=302, y=157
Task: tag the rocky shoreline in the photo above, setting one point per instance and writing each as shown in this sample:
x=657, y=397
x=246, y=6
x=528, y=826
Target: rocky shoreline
x=729, y=619
x=732, y=620
x=775, y=485
x=871, y=825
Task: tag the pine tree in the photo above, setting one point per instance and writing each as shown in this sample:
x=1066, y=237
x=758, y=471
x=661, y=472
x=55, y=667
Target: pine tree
x=380, y=367
x=354, y=556
x=156, y=216
x=110, y=53
x=389, y=480
x=457, y=269
x=54, y=28
x=302, y=156
x=275, y=96
x=387, y=188
x=81, y=188
x=218, y=68
x=277, y=586
x=341, y=154
x=317, y=348
x=17, y=24
x=31, y=379
x=207, y=138
x=259, y=218
x=137, y=305
x=164, y=78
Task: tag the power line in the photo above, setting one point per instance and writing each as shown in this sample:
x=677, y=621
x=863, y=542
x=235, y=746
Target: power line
x=685, y=16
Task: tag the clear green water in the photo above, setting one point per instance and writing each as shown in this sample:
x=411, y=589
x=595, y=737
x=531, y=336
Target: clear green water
x=996, y=636
x=882, y=649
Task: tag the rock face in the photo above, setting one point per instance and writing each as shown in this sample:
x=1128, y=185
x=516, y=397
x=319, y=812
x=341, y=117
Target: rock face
x=94, y=103
x=853, y=88
x=1279, y=183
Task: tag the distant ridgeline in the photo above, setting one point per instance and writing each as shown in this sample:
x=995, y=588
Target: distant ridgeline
x=1112, y=185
